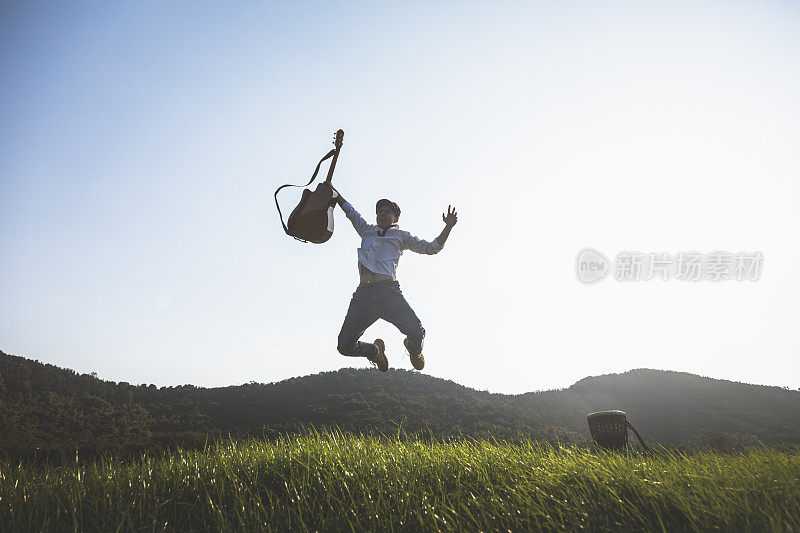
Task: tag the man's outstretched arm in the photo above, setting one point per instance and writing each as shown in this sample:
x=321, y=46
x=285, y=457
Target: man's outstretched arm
x=434, y=247
x=356, y=219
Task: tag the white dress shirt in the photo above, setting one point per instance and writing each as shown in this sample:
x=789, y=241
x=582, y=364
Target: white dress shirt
x=380, y=251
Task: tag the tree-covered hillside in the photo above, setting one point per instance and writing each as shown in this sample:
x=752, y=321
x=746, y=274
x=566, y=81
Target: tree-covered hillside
x=677, y=407
x=50, y=409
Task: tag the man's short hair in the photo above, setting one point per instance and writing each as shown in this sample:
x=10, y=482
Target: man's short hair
x=390, y=204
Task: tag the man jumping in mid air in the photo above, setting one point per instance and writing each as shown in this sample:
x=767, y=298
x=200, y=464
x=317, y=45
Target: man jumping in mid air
x=378, y=294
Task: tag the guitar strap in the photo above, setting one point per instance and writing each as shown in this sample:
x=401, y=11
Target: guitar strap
x=313, y=177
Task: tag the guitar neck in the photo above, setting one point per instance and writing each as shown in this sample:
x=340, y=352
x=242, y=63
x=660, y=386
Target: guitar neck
x=338, y=143
x=333, y=165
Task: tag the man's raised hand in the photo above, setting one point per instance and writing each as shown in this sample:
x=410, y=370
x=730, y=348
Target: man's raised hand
x=339, y=199
x=451, y=218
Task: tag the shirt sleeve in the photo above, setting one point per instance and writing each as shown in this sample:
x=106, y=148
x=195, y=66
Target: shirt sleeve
x=356, y=219
x=421, y=247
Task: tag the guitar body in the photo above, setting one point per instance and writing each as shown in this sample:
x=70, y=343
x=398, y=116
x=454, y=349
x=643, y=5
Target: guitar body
x=312, y=219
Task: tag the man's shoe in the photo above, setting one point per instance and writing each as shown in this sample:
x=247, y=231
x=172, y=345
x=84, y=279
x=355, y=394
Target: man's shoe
x=417, y=361
x=380, y=359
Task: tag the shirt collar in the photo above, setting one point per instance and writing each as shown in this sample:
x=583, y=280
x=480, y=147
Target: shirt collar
x=382, y=231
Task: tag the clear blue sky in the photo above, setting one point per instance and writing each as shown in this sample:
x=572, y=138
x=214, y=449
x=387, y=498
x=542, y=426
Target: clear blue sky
x=141, y=142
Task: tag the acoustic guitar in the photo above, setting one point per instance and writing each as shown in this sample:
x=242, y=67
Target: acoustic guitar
x=312, y=219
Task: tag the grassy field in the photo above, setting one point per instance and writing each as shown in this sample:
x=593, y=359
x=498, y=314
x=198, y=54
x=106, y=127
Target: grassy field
x=337, y=482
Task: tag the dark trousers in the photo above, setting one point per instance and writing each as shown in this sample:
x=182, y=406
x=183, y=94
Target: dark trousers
x=370, y=302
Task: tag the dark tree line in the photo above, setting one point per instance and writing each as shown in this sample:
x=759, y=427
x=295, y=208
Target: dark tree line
x=50, y=410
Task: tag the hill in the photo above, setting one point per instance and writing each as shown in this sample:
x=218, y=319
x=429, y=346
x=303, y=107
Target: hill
x=677, y=407
x=50, y=409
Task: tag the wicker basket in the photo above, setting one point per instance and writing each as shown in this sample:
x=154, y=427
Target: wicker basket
x=609, y=429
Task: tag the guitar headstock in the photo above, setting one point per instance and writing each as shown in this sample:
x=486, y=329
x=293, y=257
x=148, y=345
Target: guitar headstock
x=337, y=139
